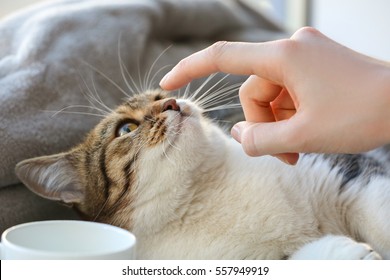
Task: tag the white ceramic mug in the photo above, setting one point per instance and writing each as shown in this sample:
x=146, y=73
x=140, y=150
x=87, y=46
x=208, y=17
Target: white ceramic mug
x=62, y=240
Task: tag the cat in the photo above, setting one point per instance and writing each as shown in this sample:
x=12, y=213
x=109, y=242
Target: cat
x=157, y=166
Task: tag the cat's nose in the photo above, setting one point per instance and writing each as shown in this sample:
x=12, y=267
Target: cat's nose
x=170, y=104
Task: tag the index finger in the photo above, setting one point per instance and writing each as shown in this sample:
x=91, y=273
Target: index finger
x=261, y=59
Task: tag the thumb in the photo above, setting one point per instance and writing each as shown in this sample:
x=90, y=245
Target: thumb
x=259, y=139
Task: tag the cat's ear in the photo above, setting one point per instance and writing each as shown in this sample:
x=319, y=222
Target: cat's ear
x=53, y=177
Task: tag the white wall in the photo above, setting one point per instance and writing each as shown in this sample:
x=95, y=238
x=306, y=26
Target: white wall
x=9, y=6
x=363, y=25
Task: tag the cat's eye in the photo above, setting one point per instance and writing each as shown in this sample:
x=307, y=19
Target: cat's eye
x=126, y=128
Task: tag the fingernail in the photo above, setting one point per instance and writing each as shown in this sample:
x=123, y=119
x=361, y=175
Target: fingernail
x=282, y=159
x=286, y=160
x=236, y=133
x=163, y=80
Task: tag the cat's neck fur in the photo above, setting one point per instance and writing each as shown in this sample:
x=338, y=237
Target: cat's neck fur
x=189, y=214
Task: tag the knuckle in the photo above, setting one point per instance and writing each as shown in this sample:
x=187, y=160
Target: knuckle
x=297, y=44
x=304, y=33
x=183, y=64
x=243, y=90
x=217, y=50
x=185, y=68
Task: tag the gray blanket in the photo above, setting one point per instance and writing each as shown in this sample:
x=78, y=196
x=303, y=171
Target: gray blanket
x=55, y=55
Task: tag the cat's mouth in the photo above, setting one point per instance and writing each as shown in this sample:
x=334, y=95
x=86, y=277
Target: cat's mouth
x=178, y=119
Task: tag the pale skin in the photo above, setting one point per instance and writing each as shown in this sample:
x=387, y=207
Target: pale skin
x=304, y=94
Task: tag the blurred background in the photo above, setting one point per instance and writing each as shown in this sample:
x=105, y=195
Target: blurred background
x=359, y=24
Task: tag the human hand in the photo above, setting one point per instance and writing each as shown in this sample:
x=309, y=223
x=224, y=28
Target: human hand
x=304, y=94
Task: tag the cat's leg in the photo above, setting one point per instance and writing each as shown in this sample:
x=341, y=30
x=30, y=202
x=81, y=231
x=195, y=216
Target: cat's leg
x=335, y=247
x=370, y=215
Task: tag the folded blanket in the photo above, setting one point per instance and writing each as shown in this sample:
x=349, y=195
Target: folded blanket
x=61, y=54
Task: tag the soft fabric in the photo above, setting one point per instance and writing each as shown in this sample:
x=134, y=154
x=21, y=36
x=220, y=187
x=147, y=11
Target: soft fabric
x=54, y=54
x=19, y=205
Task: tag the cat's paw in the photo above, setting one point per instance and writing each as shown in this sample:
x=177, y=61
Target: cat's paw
x=362, y=251
x=336, y=248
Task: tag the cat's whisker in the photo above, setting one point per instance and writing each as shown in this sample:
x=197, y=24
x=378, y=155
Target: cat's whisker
x=187, y=91
x=222, y=121
x=174, y=126
x=141, y=145
x=182, y=123
x=123, y=69
x=94, y=99
x=200, y=88
x=166, y=139
x=92, y=107
x=63, y=111
x=211, y=94
x=100, y=211
x=124, y=72
x=174, y=133
x=172, y=145
x=223, y=107
x=81, y=113
x=222, y=95
x=106, y=77
x=222, y=92
x=149, y=119
x=141, y=81
x=150, y=83
x=165, y=154
x=219, y=103
x=147, y=81
x=207, y=92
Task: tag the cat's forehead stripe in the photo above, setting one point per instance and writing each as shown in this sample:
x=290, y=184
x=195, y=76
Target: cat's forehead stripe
x=126, y=111
x=103, y=171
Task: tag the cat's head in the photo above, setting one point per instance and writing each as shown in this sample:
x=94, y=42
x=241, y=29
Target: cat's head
x=136, y=168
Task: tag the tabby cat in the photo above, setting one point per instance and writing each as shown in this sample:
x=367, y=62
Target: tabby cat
x=160, y=168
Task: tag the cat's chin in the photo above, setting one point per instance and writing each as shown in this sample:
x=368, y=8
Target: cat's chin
x=182, y=127
x=190, y=137
x=183, y=124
